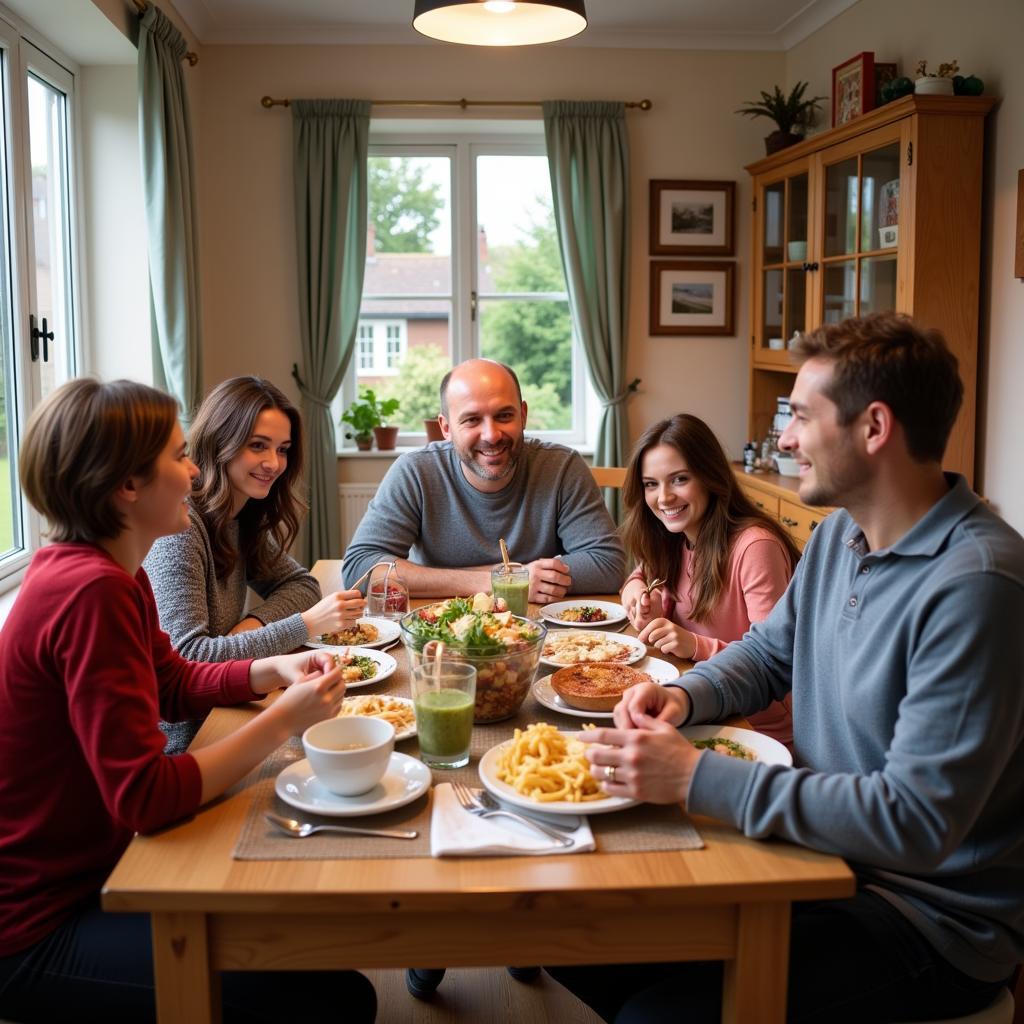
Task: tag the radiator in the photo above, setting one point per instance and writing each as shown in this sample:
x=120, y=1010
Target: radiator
x=352, y=502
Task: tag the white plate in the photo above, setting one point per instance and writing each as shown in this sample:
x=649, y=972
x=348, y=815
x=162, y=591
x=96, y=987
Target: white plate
x=386, y=664
x=660, y=671
x=768, y=751
x=388, y=633
x=615, y=613
x=400, y=734
x=489, y=777
x=405, y=779
x=637, y=649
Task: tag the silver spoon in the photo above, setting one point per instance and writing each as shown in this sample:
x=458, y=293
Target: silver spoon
x=301, y=829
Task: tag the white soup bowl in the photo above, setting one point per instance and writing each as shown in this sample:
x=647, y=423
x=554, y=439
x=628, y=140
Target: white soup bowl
x=349, y=755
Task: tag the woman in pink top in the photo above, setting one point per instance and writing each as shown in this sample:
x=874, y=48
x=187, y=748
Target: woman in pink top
x=724, y=562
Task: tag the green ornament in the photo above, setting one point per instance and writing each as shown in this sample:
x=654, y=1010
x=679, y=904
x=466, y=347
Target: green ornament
x=973, y=86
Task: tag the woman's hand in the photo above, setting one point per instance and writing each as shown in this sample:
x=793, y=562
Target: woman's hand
x=311, y=698
x=670, y=638
x=336, y=611
x=267, y=674
x=651, y=763
x=644, y=605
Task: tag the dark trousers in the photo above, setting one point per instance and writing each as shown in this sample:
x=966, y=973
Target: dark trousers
x=99, y=967
x=855, y=961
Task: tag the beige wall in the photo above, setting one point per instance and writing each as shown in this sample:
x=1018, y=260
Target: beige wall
x=985, y=39
x=250, y=318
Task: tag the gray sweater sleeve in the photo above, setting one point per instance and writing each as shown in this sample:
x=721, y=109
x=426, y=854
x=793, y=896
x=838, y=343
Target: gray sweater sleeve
x=197, y=610
x=288, y=590
x=590, y=544
x=391, y=525
x=960, y=721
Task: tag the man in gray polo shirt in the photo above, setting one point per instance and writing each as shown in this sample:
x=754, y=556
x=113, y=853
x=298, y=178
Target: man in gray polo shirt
x=901, y=637
x=440, y=511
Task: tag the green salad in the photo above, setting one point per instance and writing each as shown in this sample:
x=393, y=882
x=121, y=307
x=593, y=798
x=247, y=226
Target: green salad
x=470, y=624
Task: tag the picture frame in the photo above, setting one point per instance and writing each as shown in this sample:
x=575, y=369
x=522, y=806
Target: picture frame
x=853, y=88
x=885, y=72
x=692, y=297
x=692, y=218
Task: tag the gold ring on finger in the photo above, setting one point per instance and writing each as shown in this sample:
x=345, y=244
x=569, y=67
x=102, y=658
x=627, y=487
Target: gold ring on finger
x=609, y=772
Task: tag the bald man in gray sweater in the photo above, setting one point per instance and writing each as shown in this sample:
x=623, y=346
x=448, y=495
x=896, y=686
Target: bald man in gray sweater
x=439, y=512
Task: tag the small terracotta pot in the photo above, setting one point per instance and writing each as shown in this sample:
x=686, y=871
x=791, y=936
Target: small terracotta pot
x=387, y=438
x=433, y=429
x=364, y=444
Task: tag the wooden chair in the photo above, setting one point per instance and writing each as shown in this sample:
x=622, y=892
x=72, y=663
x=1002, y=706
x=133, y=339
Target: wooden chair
x=609, y=476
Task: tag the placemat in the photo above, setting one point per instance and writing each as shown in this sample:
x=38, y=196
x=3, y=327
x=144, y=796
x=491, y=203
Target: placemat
x=644, y=828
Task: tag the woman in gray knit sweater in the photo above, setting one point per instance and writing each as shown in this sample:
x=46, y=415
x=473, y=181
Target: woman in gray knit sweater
x=244, y=515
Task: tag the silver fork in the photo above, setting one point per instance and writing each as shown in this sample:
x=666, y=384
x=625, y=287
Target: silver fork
x=485, y=799
x=468, y=802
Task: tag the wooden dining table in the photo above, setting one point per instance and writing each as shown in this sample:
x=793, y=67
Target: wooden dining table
x=729, y=901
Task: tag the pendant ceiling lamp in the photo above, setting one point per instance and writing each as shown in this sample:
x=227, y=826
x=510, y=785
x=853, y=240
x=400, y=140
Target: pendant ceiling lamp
x=499, y=22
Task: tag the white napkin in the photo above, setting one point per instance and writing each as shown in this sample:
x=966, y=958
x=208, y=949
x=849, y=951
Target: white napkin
x=454, y=832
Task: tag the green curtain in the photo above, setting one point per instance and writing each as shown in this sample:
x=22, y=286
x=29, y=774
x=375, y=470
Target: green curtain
x=588, y=155
x=168, y=177
x=330, y=147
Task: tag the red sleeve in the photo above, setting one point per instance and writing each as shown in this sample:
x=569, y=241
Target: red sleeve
x=104, y=644
x=189, y=689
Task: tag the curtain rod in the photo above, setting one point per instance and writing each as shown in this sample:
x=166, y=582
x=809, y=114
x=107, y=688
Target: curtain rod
x=462, y=104
x=192, y=58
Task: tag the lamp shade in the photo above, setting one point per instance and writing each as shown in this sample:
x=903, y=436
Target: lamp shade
x=499, y=22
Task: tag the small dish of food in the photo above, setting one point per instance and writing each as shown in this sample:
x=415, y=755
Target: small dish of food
x=744, y=744
x=368, y=632
x=362, y=666
x=583, y=613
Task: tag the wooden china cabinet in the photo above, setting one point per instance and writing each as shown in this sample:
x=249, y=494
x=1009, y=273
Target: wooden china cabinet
x=883, y=213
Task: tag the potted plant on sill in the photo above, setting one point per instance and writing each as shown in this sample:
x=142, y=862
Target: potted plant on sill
x=793, y=114
x=367, y=416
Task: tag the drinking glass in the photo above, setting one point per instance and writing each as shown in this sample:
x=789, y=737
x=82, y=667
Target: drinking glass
x=513, y=584
x=443, y=697
x=387, y=596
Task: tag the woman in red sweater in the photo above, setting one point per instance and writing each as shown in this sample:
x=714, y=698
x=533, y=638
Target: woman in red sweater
x=723, y=563
x=85, y=675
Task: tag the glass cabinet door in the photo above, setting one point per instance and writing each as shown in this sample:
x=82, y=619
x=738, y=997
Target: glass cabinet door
x=784, y=237
x=861, y=234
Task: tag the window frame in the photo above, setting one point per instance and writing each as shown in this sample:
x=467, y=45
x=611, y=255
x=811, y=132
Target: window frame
x=26, y=52
x=462, y=143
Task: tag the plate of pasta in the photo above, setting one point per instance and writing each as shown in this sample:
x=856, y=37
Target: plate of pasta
x=396, y=710
x=542, y=769
x=361, y=666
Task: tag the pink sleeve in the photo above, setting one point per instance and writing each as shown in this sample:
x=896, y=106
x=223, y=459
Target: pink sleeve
x=761, y=577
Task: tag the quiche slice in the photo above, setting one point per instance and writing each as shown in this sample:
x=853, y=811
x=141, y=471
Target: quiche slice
x=595, y=686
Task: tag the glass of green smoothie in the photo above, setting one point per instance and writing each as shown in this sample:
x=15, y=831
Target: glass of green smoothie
x=512, y=583
x=443, y=697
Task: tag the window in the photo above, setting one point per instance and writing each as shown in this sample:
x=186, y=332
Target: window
x=37, y=267
x=462, y=260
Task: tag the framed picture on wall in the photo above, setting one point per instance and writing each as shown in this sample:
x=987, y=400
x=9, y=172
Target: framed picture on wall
x=853, y=88
x=692, y=218
x=691, y=297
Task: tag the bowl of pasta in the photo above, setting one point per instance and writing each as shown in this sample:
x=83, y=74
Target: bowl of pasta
x=504, y=648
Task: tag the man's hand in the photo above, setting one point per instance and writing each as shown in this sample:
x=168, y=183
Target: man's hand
x=550, y=580
x=670, y=638
x=649, y=700
x=652, y=762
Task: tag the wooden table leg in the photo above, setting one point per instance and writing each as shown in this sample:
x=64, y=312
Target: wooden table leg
x=754, y=989
x=186, y=989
